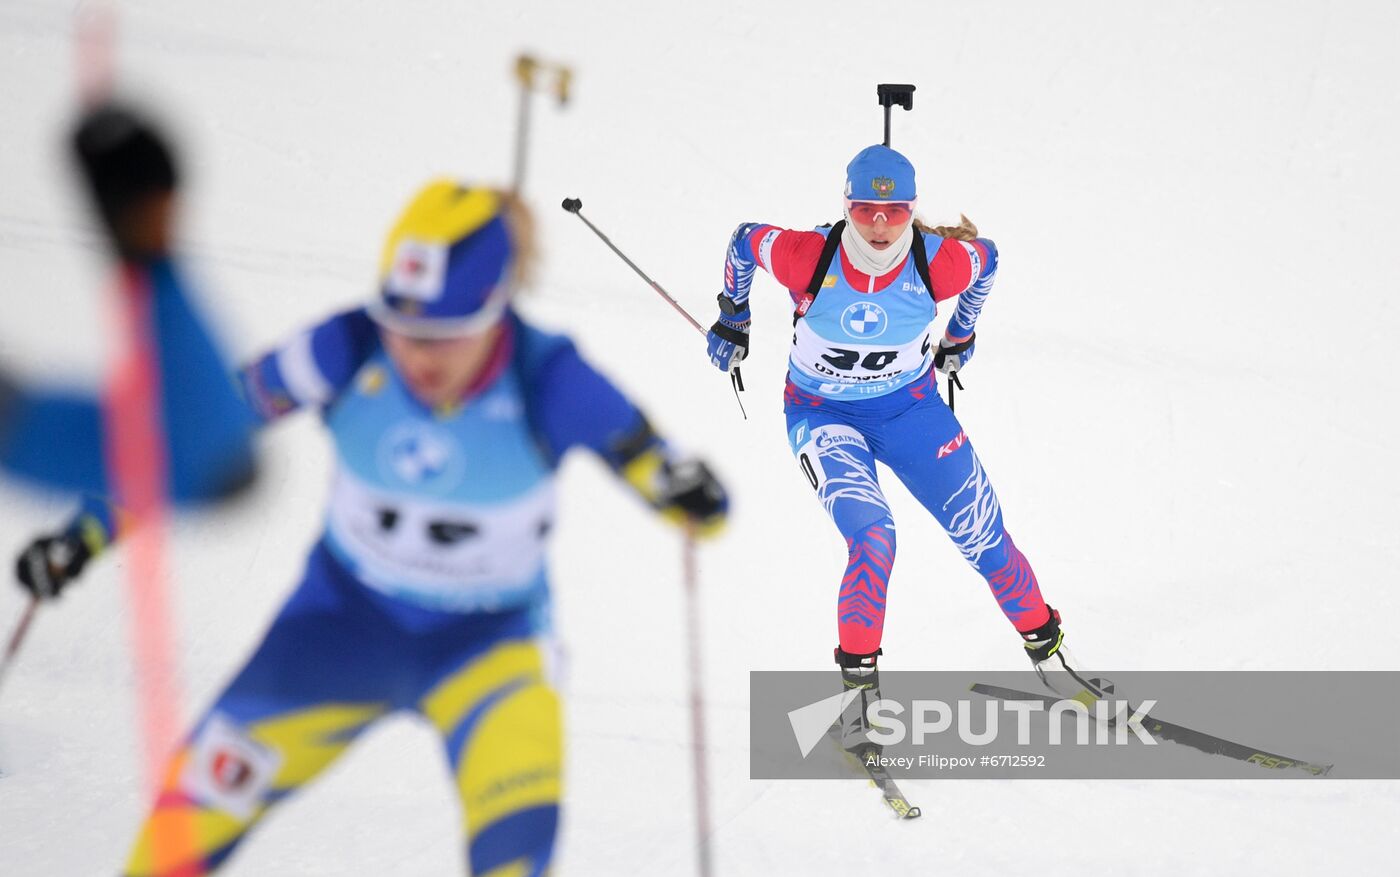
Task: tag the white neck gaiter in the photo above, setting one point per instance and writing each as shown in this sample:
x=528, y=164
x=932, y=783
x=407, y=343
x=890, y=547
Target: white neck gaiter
x=868, y=260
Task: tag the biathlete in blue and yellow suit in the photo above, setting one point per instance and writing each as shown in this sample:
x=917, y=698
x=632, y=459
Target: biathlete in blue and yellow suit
x=861, y=388
x=428, y=589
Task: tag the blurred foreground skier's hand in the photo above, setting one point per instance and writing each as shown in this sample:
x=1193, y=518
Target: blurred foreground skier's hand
x=691, y=495
x=132, y=177
x=683, y=489
x=50, y=563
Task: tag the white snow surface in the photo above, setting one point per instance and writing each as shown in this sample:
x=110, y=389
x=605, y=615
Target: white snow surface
x=1180, y=393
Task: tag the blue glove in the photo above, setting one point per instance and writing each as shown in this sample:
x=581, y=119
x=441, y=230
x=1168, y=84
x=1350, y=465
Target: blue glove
x=952, y=358
x=728, y=339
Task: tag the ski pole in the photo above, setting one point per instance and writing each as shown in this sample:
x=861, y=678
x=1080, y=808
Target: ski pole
x=954, y=383
x=95, y=58
x=526, y=69
x=135, y=449
x=17, y=638
x=575, y=206
x=697, y=707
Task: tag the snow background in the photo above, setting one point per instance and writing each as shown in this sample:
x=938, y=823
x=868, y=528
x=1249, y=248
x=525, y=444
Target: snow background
x=1179, y=392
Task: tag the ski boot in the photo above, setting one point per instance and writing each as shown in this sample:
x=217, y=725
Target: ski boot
x=1057, y=668
x=858, y=672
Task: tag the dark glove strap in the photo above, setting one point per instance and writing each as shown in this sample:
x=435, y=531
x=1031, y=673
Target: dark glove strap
x=961, y=346
x=849, y=661
x=730, y=334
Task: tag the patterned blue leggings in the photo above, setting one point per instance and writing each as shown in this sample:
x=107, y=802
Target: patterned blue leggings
x=913, y=433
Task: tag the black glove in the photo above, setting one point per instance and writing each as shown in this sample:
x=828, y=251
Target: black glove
x=690, y=492
x=952, y=358
x=50, y=563
x=124, y=160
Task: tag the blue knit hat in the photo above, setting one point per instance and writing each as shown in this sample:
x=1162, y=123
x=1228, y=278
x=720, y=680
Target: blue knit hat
x=878, y=173
x=446, y=264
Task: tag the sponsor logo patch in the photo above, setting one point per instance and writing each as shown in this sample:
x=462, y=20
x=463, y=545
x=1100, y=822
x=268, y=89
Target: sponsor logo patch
x=417, y=272
x=976, y=258
x=765, y=248
x=798, y=436
x=228, y=770
x=832, y=439
x=864, y=320
x=421, y=455
x=949, y=447
x=372, y=380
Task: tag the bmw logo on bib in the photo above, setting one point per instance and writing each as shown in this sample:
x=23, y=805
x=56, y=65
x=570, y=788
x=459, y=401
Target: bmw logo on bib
x=421, y=455
x=864, y=320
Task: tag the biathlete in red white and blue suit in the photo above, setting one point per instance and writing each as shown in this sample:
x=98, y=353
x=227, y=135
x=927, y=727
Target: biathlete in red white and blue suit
x=861, y=387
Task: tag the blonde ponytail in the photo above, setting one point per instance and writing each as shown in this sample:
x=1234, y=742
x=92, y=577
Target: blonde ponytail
x=963, y=231
x=521, y=223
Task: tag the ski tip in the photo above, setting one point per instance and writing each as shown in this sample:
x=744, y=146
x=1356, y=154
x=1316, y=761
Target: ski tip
x=901, y=807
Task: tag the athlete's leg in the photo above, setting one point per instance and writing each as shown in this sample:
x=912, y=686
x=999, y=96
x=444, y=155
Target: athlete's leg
x=929, y=451
x=312, y=686
x=839, y=464
x=499, y=718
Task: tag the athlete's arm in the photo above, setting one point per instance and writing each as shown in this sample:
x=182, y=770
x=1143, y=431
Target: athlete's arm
x=572, y=405
x=59, y=437
x=54, y=438
x=312, y=368
x=965, y=269
x=790, y=256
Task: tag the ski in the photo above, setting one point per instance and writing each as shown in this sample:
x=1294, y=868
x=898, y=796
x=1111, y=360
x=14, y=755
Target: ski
x=1173, y=733
x=879, y=777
